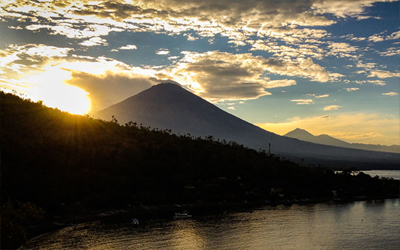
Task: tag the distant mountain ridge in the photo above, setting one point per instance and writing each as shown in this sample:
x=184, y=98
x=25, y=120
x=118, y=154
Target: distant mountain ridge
x=170, y=106
x=304, y=135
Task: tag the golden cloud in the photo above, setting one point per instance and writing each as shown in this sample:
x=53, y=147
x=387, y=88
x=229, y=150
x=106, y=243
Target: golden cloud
x=41, y=68
x=390, y=94
x=303, y=101
x=318, y=96
x=343, y=9
x=18, y=60
x=342, y=50
x=110, y=87
x=383, y=74
x=237, y=20
x=332, y=107
x=351, y=89
x=288, y=52
x=94, y=41
x=392, y=51
x=375, y=82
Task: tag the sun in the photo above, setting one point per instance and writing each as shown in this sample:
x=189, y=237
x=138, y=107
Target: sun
x=49, y=87
x=66, y=98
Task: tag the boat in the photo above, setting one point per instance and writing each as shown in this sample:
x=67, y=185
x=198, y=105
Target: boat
x=183, y=215
x=135, y=222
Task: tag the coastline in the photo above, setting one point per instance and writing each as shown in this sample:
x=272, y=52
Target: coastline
x=163, y=211
x=391, y=173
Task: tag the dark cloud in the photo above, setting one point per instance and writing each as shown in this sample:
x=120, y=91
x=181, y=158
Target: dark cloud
x=224, y=75
x=235, y=91
x=110, y=88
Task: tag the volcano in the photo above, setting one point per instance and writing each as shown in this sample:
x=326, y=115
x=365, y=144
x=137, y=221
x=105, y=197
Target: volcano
x=170, y=106
x=304, y=135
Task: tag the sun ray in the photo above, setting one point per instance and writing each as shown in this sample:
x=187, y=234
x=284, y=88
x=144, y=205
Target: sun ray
x=49, y=87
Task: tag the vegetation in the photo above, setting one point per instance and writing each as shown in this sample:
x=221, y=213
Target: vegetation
x=63, y=164
x=14, y=217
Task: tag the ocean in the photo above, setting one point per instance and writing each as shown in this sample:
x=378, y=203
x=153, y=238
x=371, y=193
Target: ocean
x=355, y=225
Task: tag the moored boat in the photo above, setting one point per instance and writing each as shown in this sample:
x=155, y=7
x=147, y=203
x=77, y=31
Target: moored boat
x=135, y=222
x=183, y=215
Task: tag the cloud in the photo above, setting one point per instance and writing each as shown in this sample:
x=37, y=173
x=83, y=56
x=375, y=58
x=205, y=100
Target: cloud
x=354, y=128
x=289, y=21
x=288, y=52
x=351, y=89
x=325, y=117
x=280, y=83
x=343, y=9
x=351, y=37
x=376, y=38
x=392, y=51
x=94, y=41
x=318, y=96
x=375, y=82
x=71, y=29
x=162, y=52
x=372, y=71
x=293, y=36
x=383, y=74
x=342, y=50
x=332, y=107
x=303, y=101
x=382, y=37
x=19, y=60
x=394, y=36
x=128, y=47
x=368, y=66
x=173, y=57
x=110, y=87
x=35, y=69
x=190, y=37
x=390, y=94
x=219, y=75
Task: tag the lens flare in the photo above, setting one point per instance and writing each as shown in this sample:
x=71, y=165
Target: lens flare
x=49, y=87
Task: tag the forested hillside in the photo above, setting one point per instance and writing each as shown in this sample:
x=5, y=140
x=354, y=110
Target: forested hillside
x=59, y=162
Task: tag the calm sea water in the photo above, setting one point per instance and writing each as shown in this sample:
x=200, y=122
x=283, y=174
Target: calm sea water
x=395, y=174
x=356, y=225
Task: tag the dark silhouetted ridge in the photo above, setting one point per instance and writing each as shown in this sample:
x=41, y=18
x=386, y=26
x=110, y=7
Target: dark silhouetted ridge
x=304, y=135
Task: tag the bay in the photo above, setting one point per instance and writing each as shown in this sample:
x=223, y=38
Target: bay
x=356, y=225
x=395, y=174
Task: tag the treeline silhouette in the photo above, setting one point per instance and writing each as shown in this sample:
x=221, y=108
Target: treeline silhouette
x=62, y=162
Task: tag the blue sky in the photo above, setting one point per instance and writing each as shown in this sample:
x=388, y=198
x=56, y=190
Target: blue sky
x=330, y=67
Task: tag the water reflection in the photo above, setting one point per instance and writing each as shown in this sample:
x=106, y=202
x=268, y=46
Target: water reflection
x=185, y=235
x=358, y=225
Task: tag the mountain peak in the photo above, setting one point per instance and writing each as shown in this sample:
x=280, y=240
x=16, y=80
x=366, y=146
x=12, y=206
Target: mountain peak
x=298, y=132
x=170, y=106
x=324, y=139
x=167, y=85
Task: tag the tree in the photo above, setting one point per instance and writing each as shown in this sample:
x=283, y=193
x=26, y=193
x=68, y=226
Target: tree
x=14, y=216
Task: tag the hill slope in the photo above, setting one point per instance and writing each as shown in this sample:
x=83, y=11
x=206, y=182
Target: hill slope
x=169, y=106
x=72, y=165
x=304, y=135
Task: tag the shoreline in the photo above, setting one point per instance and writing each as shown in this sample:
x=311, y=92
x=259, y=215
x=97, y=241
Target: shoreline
x=162, y=211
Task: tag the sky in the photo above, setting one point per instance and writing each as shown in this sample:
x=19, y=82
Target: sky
x=326, y=66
